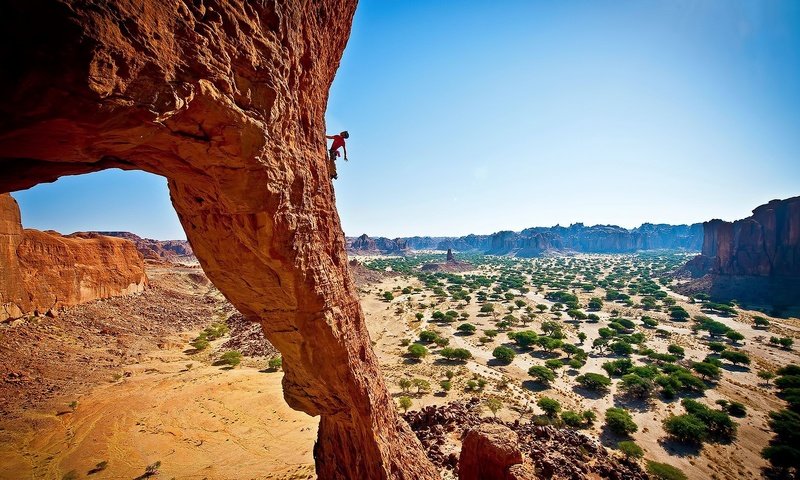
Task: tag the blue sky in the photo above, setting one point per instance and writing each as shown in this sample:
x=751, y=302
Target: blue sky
x=473, y=117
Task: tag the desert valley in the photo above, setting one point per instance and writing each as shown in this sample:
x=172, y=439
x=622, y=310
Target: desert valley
x=554, y=345
x=178, y=298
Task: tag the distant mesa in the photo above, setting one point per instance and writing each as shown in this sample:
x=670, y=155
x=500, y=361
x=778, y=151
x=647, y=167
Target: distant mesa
x=366, y=245
x=538, y=241
x=755, y=260
x=44, y=272
x=170, y=251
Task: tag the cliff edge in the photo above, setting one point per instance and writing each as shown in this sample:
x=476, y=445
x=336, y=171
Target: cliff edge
x=754, y=260
x=43, y=272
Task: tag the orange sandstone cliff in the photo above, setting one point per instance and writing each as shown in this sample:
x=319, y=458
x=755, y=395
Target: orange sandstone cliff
x=43, y=272
x=226, y=99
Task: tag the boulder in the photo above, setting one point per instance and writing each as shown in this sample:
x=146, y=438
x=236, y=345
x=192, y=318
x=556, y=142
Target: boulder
x=489, y=452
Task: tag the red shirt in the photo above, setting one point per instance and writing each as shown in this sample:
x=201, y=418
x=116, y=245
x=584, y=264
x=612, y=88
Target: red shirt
x=338, y=141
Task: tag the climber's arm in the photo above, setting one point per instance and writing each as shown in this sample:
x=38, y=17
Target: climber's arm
x=345, y=152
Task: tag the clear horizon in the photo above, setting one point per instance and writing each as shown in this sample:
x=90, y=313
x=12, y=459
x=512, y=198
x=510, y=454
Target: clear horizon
x=468, y=118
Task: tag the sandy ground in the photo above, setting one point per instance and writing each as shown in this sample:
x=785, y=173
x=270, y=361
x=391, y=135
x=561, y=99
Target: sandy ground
x=390, y=322
x=210, y=422
x=201, y=422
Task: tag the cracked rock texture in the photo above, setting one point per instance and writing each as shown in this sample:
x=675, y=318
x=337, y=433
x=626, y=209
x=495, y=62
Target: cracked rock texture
x=43, y=272
x=225, y=99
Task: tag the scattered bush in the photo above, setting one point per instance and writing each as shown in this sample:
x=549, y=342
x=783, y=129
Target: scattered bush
x=630, y=449
x=686, y=428
x=550, y=406
x=572, y=419
x=663, y=471
x=594, y=381
x=459, y=354
x=503, y=354
x=417, y=351
x=231, y=358
x=735, y=357
x=636, y=386
x=619, y=421
x=428, y=336
x=275, y=363
x=405, y=403
x=542, y=374
x=466, y=328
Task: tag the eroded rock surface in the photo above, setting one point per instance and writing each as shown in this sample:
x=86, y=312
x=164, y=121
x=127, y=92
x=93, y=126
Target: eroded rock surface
x=756, y=259
x=547, y=452
x=225, y=99
x=488, y=453
x=170, y=251
x=44, y=272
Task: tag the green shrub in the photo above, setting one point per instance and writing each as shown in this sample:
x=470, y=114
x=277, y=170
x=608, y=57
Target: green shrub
x=503, y=354
x=594, y=381
x=571, y=419
x=676, y=350
x=663, y=471
x=525, y=339
x=460, y=354
x=200, y=343
x=232, y=358
x=630, y=449
x=428, y=336
x=417, y=351
x=550, y=406
x=619, y=421
x=541, y=373
x=735, y=357
x=686, y=428
x=706, y=369
x=467, y=328
x=275, y=363
x=405, y=403
x=636, y=386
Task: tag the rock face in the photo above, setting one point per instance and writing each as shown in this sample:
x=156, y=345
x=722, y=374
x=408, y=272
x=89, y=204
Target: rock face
x=366, y=245
x=548, y=451
x=172, y=251
x=226, y=99
x=488, y=453
x=43, y=272
x=533, y=242
x=764, y=244
x=755, y=259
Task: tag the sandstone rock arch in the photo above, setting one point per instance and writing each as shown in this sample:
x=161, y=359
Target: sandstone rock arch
x=226, y=100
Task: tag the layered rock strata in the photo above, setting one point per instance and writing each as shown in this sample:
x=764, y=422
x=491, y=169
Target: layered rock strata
x=756, y=259
x=170, y=251
x=44, y=272
x=226, y=99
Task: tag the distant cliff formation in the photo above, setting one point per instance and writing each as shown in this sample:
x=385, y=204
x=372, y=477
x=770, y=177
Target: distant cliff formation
x=43, y=272
x=173, y=251
x=755, y=259
x=533, y=242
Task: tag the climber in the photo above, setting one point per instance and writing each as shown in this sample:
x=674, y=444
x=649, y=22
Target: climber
x=338, y=141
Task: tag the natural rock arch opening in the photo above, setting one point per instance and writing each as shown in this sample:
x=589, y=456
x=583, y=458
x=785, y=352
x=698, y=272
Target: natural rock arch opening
x=226, y=100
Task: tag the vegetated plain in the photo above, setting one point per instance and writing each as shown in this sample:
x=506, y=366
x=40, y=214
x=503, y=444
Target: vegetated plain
x=593, y=342
x=687, y=380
